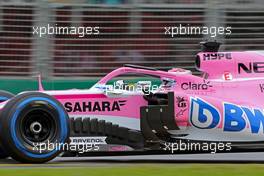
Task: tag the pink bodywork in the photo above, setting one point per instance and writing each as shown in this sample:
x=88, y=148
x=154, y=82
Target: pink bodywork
x=242, y=89
x=222, y=83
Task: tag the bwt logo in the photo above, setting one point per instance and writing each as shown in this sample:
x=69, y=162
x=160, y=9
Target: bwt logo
x=205, y=116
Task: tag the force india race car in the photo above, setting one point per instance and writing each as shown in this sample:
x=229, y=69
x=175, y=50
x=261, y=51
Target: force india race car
x=225, y=104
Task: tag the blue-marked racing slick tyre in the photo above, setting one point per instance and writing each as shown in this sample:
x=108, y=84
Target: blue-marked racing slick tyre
x=4, y=95
x=32, y=121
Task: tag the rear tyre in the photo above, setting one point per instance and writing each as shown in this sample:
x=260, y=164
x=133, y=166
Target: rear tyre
x=4, y=95
x=34, y=127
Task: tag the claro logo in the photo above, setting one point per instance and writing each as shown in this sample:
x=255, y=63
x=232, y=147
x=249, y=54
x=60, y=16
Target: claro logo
x=196, y=86
x=94, y=106
x=252, y=67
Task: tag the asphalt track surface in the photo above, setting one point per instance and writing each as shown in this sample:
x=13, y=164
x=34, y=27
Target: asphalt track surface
x=105, y=161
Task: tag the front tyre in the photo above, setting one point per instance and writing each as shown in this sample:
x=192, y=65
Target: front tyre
x=35, y=127
x=3, y=153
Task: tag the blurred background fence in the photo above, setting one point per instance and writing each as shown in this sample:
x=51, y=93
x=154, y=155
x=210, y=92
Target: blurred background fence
x=131, y=31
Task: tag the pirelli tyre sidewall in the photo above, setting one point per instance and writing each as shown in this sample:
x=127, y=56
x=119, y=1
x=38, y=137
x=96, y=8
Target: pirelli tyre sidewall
x=17, y=136
x=4, y=95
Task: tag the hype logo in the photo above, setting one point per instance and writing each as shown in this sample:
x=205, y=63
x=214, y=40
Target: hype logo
x=203, y=115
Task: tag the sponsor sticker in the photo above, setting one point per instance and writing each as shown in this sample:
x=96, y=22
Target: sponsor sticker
x=205, y=85
x=227, y=76
x=182, y=105
x=217, y=56
x=87, y=140
x=96, y=106
x=236, y=118
x=252, y=67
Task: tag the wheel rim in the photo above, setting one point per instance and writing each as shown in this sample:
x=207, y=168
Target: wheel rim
x=37, y=126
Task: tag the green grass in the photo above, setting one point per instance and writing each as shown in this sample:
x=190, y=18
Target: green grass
x=141, y=170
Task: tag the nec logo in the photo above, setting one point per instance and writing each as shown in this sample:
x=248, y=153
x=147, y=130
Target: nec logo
x=252, y=67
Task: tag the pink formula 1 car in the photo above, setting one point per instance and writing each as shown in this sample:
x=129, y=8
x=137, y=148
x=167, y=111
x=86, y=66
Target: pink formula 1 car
x=223, y=107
